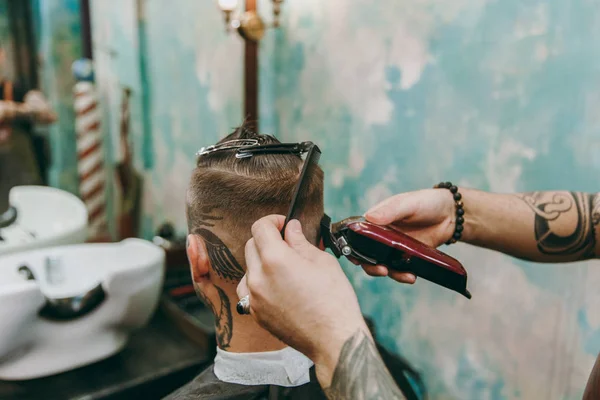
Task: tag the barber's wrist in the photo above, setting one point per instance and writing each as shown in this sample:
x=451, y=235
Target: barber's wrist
x=327, y=354
x=474, y=228
x=470, y=216
x=455, y=211
x=467, y=217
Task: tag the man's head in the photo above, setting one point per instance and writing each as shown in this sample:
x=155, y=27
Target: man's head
x=227, y=195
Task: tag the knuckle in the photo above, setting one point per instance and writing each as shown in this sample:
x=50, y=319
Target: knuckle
x=271, y=258
x=256, y=226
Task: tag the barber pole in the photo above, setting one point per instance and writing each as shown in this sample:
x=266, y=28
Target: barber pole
x=90, y=159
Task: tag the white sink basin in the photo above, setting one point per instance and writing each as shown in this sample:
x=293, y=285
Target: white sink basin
x=46, y=217
x=34, y=344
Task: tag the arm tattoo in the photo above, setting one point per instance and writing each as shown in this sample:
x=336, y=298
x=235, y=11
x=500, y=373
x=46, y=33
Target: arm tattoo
x=596, y=210
x=223, y=317
x=361, y=374
x=548, y=207
x=221, y=259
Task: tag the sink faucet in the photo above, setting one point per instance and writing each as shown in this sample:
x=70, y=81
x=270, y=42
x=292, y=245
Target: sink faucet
x=8, y=214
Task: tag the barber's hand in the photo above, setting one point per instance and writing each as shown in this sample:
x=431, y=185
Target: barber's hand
x=427, y=215
x=298, y=292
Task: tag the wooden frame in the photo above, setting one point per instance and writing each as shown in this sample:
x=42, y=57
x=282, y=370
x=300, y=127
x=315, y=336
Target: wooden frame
x=251, y=74
x=20, y=16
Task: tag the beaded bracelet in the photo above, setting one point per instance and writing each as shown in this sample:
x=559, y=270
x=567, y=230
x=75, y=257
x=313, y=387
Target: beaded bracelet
x=460, y=212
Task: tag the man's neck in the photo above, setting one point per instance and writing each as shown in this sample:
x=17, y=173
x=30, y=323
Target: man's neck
x=248, y=337
x=239, y=333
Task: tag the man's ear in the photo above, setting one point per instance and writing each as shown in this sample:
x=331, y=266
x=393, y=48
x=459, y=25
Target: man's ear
x=198, y=257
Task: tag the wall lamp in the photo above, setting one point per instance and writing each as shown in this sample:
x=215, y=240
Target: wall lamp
x=248, y=24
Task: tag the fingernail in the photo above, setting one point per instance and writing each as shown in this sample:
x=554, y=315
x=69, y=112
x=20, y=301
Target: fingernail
x=187, y=242
x=294, y=226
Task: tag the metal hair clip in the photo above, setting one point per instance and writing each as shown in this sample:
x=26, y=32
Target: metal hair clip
x=275, y=148
x=229, y=145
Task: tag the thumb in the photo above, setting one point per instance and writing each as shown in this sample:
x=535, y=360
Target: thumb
x=296, y=240
x=396, y=208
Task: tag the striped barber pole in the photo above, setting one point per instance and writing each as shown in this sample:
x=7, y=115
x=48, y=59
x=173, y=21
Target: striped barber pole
x=90, y=159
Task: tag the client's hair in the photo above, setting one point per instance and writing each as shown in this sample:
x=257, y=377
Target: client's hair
x=233, y=193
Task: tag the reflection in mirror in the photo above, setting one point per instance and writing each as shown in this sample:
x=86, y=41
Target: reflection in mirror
x=23, y=108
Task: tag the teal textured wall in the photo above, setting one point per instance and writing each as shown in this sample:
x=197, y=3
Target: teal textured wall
x=502, y=96
x=195, y=72
x=194, y=93
x=59, y=44
x=498, y=95
x=117, y=67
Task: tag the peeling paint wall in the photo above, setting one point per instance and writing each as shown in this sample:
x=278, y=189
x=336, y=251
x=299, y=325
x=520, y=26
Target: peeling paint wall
x=196, y=74
x=502, y=96
x=194, y=93
x=59, y=45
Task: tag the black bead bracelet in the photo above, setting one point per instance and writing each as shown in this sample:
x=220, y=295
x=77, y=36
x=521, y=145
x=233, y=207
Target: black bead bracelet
x=460, y=211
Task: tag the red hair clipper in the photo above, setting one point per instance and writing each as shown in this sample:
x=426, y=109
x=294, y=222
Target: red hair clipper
x=371, y=244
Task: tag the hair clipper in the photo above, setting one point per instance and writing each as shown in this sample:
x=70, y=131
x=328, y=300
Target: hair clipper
x=371, y=244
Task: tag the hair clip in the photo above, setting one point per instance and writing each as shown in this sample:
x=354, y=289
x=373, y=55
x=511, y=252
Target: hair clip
x=275, y=148
x=229, y=145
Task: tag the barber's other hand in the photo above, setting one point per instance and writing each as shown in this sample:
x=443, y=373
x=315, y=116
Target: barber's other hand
x=298, y=292
x=427, y=215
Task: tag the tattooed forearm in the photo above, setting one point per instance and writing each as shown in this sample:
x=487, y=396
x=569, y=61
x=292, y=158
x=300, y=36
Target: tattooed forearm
x=223, y=317
x=565, y=222
x=361, y=374
x=596, y=210
x=221, y=259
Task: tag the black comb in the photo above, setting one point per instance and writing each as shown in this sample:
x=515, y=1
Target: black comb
x=310, y=163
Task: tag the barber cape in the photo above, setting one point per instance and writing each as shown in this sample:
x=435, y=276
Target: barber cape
x=282, y=374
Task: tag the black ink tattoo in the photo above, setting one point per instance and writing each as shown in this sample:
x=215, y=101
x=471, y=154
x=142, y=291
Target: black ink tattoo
x=206, y=217
x=221, y=259
x=223, y=317
x=596, y=210
x=361, y=374
x=549, y=207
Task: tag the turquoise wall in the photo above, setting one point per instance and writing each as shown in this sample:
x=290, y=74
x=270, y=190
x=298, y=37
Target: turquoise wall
x=194, y=93
x=501, y=96
x=59, y=44
x=498, y=95
x=195, y=72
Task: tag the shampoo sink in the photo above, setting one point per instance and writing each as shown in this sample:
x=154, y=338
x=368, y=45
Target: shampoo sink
x=45, y=217
x=65, y=307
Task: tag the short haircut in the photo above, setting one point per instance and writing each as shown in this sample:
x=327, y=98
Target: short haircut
x=234, y=193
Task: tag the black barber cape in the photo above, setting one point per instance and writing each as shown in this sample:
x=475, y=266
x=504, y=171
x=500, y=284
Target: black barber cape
x=208, y=386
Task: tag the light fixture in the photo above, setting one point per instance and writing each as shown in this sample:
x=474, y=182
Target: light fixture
x=249, y=24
